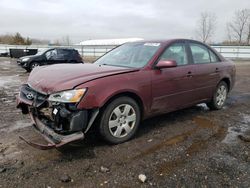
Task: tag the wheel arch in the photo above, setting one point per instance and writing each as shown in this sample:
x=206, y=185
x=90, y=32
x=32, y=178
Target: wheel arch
x=227, y=81
x=126, y=94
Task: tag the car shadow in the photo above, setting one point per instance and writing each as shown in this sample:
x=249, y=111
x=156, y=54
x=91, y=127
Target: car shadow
x=170, y=118
x=85, y=148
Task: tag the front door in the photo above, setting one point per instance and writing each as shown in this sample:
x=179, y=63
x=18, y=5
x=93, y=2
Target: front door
x=172, y=88
x=55, y=56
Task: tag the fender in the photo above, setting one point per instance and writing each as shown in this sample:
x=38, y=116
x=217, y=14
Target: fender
x=99, y=92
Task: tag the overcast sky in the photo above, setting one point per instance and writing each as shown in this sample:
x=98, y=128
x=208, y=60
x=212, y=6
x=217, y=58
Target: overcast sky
x=101, y=19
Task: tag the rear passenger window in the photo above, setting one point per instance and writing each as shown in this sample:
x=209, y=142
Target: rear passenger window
x=176, y=52
x=200, y=53
x=67, y=52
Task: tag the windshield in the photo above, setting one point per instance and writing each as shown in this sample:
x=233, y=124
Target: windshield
x=41, y=52
x=134, y=55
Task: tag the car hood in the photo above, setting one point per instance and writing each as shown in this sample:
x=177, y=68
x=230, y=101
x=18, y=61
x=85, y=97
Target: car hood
x=29, y=56
x=54, y=78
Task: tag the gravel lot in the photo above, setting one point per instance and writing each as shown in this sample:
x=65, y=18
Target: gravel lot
x=194, y=147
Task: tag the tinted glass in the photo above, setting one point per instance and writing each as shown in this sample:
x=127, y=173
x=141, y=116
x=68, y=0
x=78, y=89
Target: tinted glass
x=130, y=55
x=60, y=51
x=200, y=53
x=61, y=54
x=176, y=52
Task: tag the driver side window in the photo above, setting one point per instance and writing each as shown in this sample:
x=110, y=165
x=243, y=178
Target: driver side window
x=176, y=52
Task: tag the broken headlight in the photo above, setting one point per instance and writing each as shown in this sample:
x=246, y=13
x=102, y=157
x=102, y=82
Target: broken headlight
x=70, y=96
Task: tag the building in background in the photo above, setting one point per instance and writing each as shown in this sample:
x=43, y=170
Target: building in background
x=107, y=42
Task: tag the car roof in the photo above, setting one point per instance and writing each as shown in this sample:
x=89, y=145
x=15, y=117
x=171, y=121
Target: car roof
x=62, y=48
x=167, y=41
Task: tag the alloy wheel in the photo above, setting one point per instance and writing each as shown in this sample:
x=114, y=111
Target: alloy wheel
x=122, y=120
x=221, y=95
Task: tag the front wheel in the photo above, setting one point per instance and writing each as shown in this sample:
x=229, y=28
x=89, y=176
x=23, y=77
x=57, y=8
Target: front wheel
x=120, y=120
x=33, y=65
x=219, y=97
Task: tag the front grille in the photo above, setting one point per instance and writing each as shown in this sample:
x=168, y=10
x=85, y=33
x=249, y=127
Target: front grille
x=33, y=96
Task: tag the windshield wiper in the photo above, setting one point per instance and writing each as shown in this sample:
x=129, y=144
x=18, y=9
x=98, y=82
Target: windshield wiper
x=116, y=65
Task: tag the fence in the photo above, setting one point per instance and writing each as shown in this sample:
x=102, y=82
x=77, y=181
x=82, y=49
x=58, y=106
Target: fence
x=84, y=51
x=234, y=52
x=231, y=52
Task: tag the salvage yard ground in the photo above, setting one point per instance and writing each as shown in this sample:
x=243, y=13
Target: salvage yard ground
x=189, y=148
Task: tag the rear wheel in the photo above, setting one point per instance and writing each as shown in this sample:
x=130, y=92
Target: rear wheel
x=120, y=120
x=219, y=97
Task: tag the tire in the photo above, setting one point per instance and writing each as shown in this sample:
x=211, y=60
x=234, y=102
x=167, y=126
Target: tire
x=120, y=120
x=219, y=97
x=27, y=69
x=33, y=65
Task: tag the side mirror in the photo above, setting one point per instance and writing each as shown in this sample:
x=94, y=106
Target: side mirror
x=166, y=64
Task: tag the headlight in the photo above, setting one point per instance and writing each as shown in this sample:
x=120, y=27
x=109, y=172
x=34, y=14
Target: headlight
x=25, y=59
x=70, y=96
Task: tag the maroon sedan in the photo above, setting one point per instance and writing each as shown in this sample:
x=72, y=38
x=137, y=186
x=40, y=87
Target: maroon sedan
x=130, y=83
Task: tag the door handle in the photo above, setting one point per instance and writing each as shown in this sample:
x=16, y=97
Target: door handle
x=217, y=70
x=189, y=74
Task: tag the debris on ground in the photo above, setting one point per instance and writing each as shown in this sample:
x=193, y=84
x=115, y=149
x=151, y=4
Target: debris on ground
x=104, y=169
x=245, y=138
x=2, y=170
x=150, y=140
x=65, y=178
x=142, y=178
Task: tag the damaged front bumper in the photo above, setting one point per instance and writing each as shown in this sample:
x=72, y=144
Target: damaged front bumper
x=54, y=139
x=58, y=123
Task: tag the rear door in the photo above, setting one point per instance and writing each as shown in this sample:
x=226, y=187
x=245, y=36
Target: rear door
x=172, y=88
x=206, y=70
x=60, y=56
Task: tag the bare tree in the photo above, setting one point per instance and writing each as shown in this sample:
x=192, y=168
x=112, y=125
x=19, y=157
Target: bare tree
x=248, y=32
x=229, y=33
x=206, y=26
x=239, y=25
x=66, y=40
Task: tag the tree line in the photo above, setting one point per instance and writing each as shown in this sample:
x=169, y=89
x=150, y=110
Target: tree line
x=16, y=39
x=237, y=30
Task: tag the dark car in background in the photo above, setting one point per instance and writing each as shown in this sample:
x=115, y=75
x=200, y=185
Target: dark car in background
x=51, y=56
x=132, y=82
